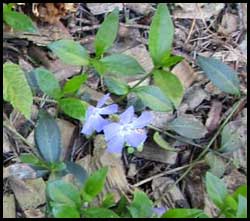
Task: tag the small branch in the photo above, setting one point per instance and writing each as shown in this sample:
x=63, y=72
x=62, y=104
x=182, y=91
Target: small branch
x=46, y=100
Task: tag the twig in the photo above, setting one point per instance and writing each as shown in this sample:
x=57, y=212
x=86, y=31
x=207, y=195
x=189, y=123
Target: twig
x=190, y=31
x=45, y=100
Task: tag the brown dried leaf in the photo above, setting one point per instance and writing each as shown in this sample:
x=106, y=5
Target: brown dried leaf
x=213, y=119
x=229, y=24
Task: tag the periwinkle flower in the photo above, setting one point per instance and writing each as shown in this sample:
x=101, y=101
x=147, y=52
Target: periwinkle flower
x=129, y=130
x=159, y=211
x=94, y=121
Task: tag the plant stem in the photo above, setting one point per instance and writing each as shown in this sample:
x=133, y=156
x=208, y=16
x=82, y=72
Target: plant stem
x=46, y=100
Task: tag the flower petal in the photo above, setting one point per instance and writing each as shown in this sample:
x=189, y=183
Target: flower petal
x=127, y=115
x=87, y=128
x=98, y=123
x=159, y=211
x=111, y=130
x=103, y=100
x=143, y=120
x=90, y=111
x=115, y=145
x=136, y=138
x=111, y=109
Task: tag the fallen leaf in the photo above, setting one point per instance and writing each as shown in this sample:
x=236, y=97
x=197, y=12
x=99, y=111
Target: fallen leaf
x=228, y=24
x=140, y=8
x=101, y=8
x=9, y=206
x=214, y=114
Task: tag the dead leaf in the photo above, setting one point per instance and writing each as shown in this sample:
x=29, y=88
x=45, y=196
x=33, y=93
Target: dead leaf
x=6, y=143
x=140, y=8
x=161, y=119
x=9, y=206
x=228, y=24
x=101, y=8
x=34, y=213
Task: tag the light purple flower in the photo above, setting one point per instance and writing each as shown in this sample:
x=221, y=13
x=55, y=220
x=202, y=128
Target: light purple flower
x=159, y=211
x=94, y=121
x=129, y=130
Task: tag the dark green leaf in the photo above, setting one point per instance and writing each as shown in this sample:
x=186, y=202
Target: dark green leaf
x=106, y=34
x=184, y=213
x=48, y=83
x=94, y=184
x=62, y=192
x=32, y=160
x=108, y=201
x=48, y=137
x=72, y=85
x=161, y=34
x=121, y=64
x=99, y=213
x=162, y=143
x=170, y=85
x=65, y=211
x=216, y=189
x=122, y=207
x=188, y=126
x=16, y=89
x=116, y=86
x=141, y=206
x=242, y=190
x=217, y=165
x=221, y=75
x=153, y=98
x=70, y=52
x=18, y=21
x=230, y=139
x=73, y=107
x=242, y=207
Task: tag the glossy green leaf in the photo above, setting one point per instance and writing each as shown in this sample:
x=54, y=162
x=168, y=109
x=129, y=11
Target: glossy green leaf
x=63, y=192
x=106, y=34
x=73, y=85
x=65, y=211
x=141, y=206
x=230, y=140
x=221, y=75
x=31, y=159
x=18, y=21
x=241, y=190
x=153, y=98
x=16, y=89
x=73, y=107
x=242, y=207
x=70, y=52
x=184, y=213
x=216, y=164
x=48, y=137
x=188, y=126
x=116, y=86
x=162, y=143
x=48, y=83
x=99, y=213
x=170, y=85
x=121, y=64
x=161, y=34
x=94, y=184
x=216, y=189
x=108, y=201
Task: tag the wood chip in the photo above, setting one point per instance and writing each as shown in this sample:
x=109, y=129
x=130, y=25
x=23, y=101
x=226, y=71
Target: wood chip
x=214, y=114
x=9, y=206
x=101, y=8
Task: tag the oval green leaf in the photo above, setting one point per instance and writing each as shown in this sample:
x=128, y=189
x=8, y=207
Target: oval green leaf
x=65, y=211
x=48, y=137
x=31, y=159
x=221, y=75
x=170, y=85
x=106, y=34
x=163, y=143
x=99, y=213
x=161, y=34
x=48, y=83
x=242, y=207
x=184, y=213
x=73, y=85
x=188, y=126
x=116, y=86
x=16, y=89
x=121, y=64
x=70, y=52
x=73, y=107
x=153, y=98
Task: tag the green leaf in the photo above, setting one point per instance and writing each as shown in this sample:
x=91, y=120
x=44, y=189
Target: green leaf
x=62, y=192
x=99, y=213
x=57, y=166
x=48, y=83
x=65, y=211
x=48, y=137
x=188, y=126
x=242, y=207
x=108, y=201
x=106, y=34
x=184, y=213
x=216, y=164
x=73, y=85
x=31, y=159
x=18, y=21
x=169, y=61
x=116, y=86
x=16, y=89
x=230, y=205
x=216, y=189
x=94, y=184
x=242, y=190
x=99, y=66
x=153, y=98
x=221, y=75
x=230, y=140
x=141, y=206
x=161, y=34
x=70, y=52
x=162, y=143
x=170, y=85
x=73, y=107
x=121, y=64
x=122, y=207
